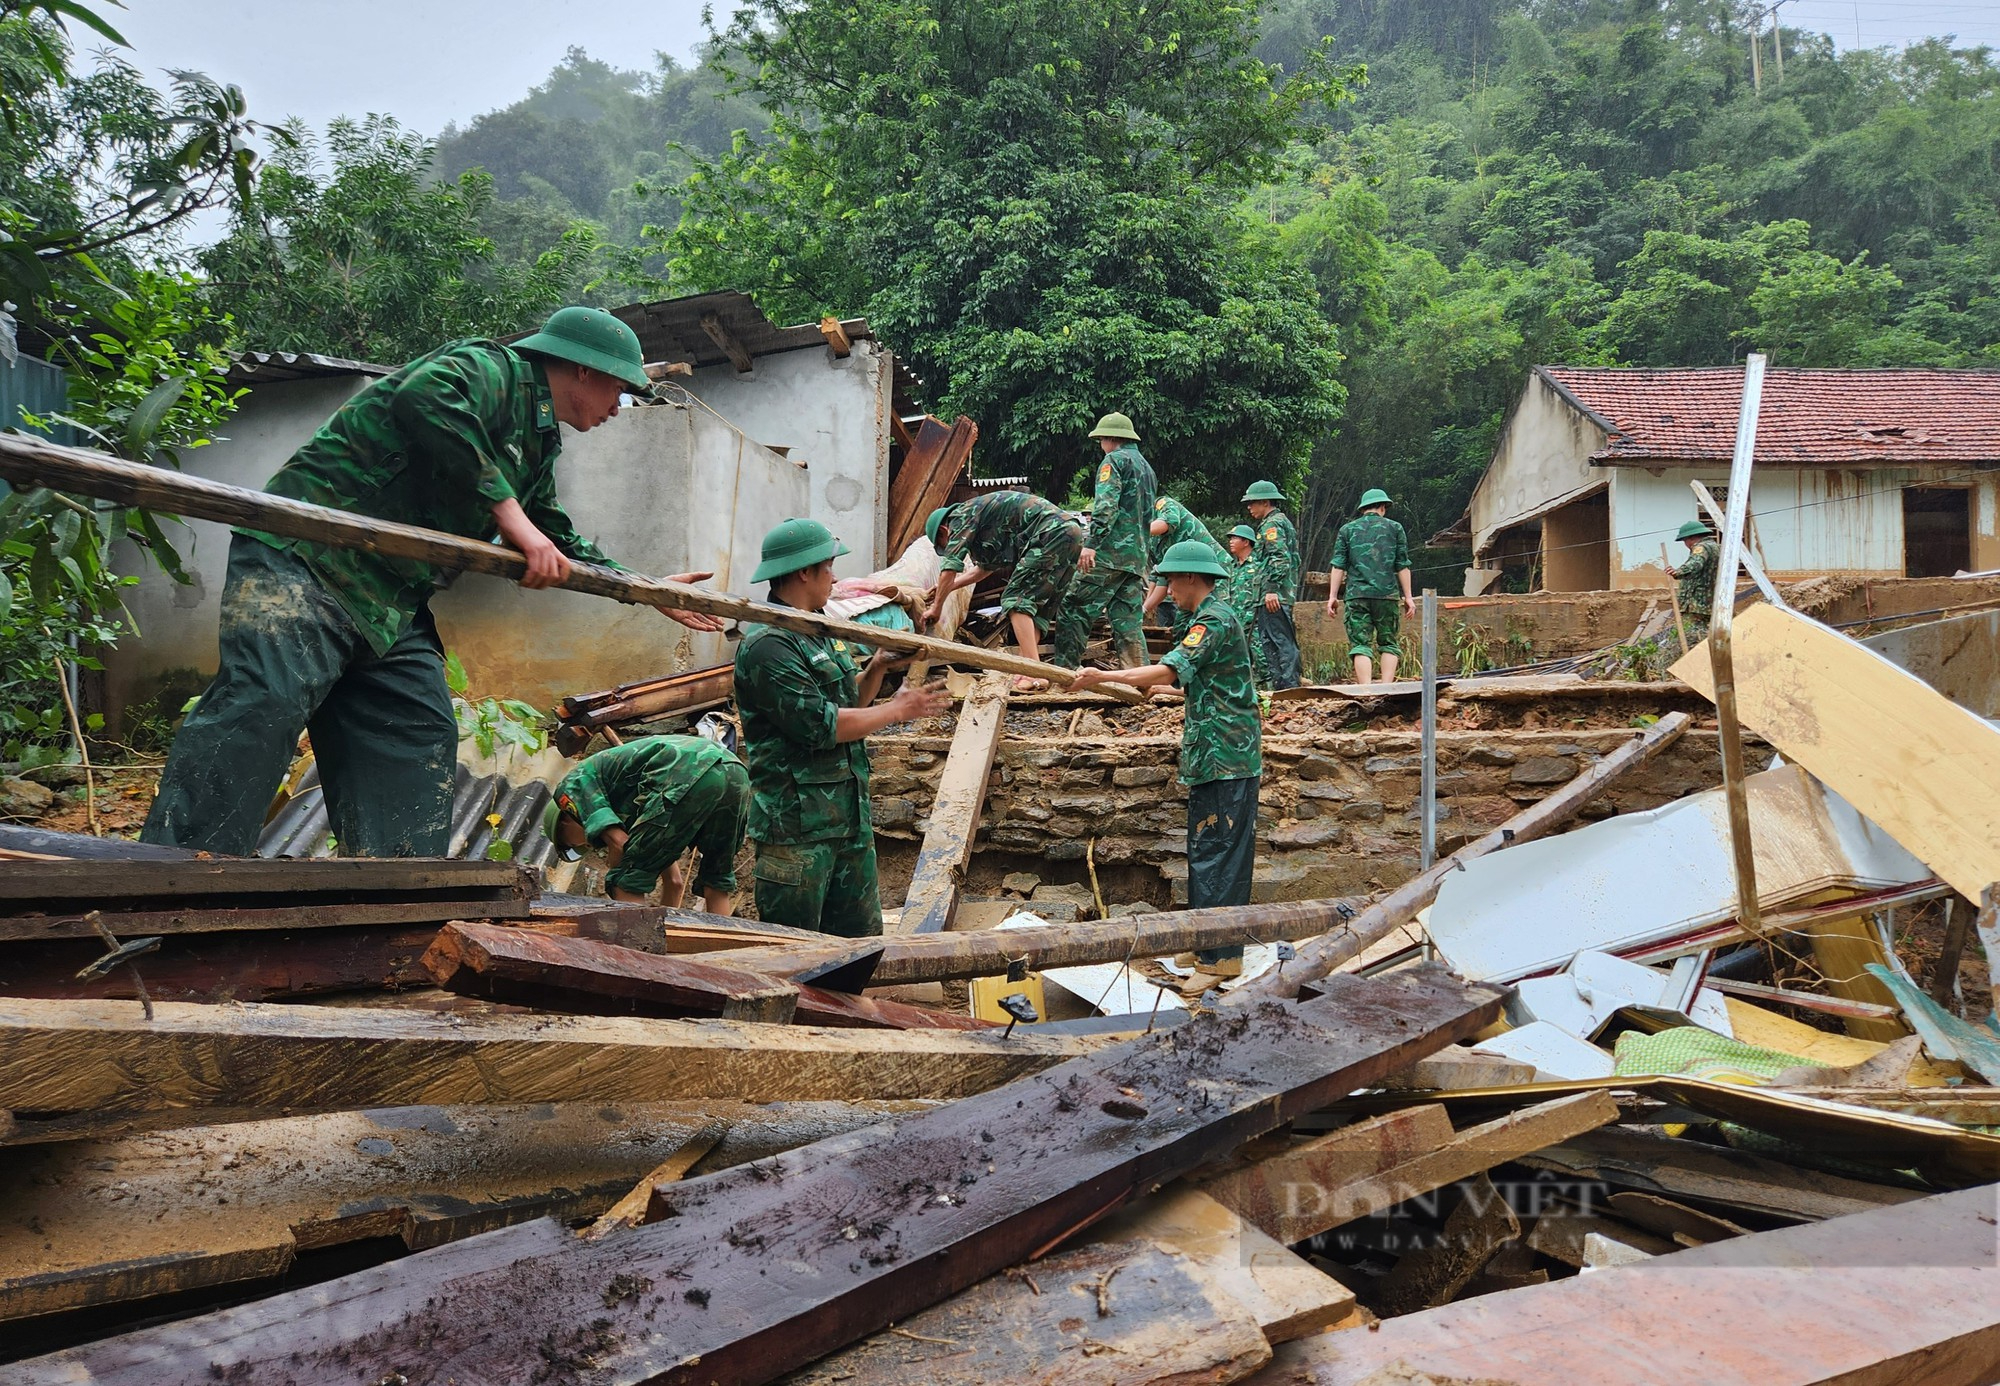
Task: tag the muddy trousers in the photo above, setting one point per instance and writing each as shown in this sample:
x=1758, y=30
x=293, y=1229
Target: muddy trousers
x=291, y=661
x=827, y=886
x=1278, y=639
x=1222, y=848
x=1120, y=598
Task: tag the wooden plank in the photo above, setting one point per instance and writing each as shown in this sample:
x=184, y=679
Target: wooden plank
x=1158, y=1321
x=1920, y=767
x=1286, y=1295
x=41, y=842
x=963, y=954
x=1272, y=1193
x=1474, y=1231
x=1344, y=938
x=955, y=808
x=764, y=1268
x=1787, y=1308
x=1664, y=1217
x=731, y=346
x=837, y=340
x=1459, y=1068
x=1314, y=1205
x=585, y=977
x=209, y=917
x=1712, y=1174
x=631, y=1210
x=63, y=1057
x=100, y=881
x=35, y=462
x=932, y=463
x=1560, y=1234
x=265, y=965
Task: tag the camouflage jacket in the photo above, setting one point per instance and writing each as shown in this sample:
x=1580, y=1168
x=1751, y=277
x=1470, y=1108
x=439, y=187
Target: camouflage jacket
x=1121, y=510
x=804, y=786
x=1222, y=736
x=1182, y=524
x=1371, y=550
x=639, y=785
x=1277, y=557
x=1695, y=580
x=1240, y=591
x=995, y=529
x=438, y=444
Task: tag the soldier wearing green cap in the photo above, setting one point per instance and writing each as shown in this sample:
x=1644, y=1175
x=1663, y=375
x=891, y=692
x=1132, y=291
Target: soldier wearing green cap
x=1277, y=570
x=805, y=710
x=340, y=642
x=1222, y=760
x=644, y=803
x=1694, y=580
x=1371, y=560
x=1173, y=523
x=1246, y=599
x=1008, y=530
x=1110, y=576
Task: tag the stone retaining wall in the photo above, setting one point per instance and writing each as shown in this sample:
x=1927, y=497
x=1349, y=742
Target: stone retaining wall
x=1337, y=814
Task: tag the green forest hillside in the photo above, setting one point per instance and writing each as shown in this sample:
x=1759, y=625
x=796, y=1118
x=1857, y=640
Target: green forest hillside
x=1323, y=242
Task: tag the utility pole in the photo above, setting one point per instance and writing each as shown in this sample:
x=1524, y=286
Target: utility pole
x=1757, y=19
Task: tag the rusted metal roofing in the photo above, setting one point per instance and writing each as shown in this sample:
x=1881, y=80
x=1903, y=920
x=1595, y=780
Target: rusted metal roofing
x=672, y=329
x=1809, y=418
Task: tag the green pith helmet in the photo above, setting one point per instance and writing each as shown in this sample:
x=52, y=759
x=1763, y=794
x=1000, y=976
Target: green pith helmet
x=591, y=337
x=1115, y=426
x=1245, y=533
x=1373, y=496
x=1190, y=556
x=936, y=522
x=1263, y=490
x=795, y=544
x=1691, y=529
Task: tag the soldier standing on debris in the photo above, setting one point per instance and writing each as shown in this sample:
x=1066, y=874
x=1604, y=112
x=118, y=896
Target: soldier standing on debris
x=805, y=710
x=1222, y=761
x=340, y=642
x=1278, y=578
x=1008, y=529
x=1695, y=580
x=1371, y=558
x=1173, y=523
x=644, y=804
x=1111, y=574
x=1244, y=597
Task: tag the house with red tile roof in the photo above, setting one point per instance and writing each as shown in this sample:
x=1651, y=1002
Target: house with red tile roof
x=1886, y=473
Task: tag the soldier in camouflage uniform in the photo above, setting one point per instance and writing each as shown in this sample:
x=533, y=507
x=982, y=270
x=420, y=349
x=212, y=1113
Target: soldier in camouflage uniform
x=1244, y=597
x=1009, y=529
x=805, y=710
x=1371, y=559
x=340, y=642
x=1111, y=573
x=1174, y=523
x=644, y=804
x=1694, y=580
x=1277, y=570
x=1222, y=760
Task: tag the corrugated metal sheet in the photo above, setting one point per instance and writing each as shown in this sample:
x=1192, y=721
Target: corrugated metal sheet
x=264, y=367
x=31, y=385
x=300, y=827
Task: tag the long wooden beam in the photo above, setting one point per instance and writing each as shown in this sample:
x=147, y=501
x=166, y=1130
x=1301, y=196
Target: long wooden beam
x=1346, y=938
x=932, y=900
x=100, y=881
x=59, y=1057
x=766, y=1267
x=34, y=462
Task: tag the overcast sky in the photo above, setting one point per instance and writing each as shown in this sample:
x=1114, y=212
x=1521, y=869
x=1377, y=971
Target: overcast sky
x=429, y=62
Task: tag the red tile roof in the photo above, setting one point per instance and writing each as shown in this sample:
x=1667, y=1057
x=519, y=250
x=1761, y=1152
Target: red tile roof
x=1808, y=418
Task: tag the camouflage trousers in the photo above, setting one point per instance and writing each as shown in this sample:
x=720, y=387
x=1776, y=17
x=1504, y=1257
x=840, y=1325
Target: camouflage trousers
x=1374, y=626
x=1037, y=583
x=292, y=660
x=708, y=816
x=1120, y=598
x=827, y=886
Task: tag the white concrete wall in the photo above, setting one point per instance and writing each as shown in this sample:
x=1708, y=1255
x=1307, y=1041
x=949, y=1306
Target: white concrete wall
x=832, y=413
x=1809, y=521
x=1543, y=456
x=662, y=489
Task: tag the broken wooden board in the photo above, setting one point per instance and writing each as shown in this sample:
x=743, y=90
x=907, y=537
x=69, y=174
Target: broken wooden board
x=765, y=1268
x=1560, y=1233
x=1461, y=1066
x=1682, y=1169
x=1269, y=1193
x=1666, y=1218
x=1922, y=768
x=60, y=1058
x=1474, y=1231
x=1313, y=1204
x=262, y=965
x=585, y=977
x=235, y=876
x=955, y=808
x=1787, y=1308
x=1127, y=1314
x=1286, y=1295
